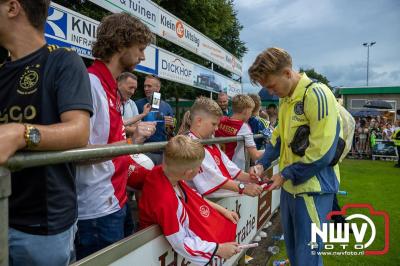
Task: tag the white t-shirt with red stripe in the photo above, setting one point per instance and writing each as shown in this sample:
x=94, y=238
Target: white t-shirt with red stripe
x=229, y=127
x=190, y=224
x=216, y=169
x=101, y=187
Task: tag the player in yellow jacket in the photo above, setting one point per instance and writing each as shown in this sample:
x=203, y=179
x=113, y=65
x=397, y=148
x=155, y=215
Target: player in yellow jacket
x=306, y=140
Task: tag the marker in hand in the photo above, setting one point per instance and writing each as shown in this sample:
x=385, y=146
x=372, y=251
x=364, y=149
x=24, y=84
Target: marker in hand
x=266, y=185
x=244, y=246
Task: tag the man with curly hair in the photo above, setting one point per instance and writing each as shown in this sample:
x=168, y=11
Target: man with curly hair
x=103, y=211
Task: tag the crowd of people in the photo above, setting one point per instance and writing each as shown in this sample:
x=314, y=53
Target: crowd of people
x=369, y=130
x=76, y=209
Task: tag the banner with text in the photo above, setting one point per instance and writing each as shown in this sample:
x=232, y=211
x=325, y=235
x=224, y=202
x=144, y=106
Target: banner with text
x=67, y=28
x=168, y=26
x=179, y=69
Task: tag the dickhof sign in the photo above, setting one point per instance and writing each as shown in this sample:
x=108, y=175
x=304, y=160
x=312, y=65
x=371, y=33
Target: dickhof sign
x=181, y=70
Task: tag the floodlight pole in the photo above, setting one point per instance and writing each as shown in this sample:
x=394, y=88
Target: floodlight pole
x=368, y=45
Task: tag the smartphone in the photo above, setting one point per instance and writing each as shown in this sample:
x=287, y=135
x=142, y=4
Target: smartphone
x=155, y=100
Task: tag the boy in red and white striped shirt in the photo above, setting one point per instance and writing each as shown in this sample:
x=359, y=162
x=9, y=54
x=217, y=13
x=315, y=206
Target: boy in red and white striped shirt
x=196, y=228
x=219, y=176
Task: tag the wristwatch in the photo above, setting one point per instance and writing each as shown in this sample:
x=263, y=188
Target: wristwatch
x=32, y=136
x=241, y=188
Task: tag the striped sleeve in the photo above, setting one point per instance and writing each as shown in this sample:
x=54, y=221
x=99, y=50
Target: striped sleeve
x=321, y=111
x=209, y=179
x=232, y=168
x=183, y=240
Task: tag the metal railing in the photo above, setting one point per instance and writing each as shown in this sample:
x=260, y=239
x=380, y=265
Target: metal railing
x=23, y=160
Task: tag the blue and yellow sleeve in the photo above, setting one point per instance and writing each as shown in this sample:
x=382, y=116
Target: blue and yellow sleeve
x=321, y=111
x=272, y=149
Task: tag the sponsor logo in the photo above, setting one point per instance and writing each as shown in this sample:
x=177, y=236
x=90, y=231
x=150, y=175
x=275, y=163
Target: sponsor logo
x=177, y=67
x=29, y=80
x=180, y=30
x=56, y=23
x=204, y=211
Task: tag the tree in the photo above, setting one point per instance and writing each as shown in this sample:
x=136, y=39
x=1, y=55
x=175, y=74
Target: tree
x=216, y=19
x=311, y=73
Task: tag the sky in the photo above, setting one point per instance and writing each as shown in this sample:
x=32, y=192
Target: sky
x=326, y=35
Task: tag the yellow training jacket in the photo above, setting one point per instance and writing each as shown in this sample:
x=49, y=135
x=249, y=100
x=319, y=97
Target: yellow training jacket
x=311, y=172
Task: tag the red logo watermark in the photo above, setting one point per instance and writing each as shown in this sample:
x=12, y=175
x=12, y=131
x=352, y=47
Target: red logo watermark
x=339, y=235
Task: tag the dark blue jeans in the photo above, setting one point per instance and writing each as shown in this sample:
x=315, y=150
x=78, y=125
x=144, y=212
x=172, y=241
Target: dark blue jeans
x=98, y=233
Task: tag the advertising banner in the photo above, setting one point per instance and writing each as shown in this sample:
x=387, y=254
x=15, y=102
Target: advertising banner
x=179, y=69
x=67, y=28
x=168, y=26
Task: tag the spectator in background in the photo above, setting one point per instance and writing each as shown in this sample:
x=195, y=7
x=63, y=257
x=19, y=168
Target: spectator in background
x=223, y=102
x=272, y=114
x=164, y=129
x=127, y=85
x=396, y=140
x=354, y=149
x=257, y=123
x=103, y=212
x=387, y=132
x=363, y=134
x=264, y=115
x=52, y=86
x=236, y=125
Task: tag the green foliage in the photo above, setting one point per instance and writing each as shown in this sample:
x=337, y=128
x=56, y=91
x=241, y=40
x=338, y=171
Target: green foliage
x=216, y=19
x=376, y=183
x=311, y=73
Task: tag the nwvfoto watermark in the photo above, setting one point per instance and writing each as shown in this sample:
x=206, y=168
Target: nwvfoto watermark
x=338, y=235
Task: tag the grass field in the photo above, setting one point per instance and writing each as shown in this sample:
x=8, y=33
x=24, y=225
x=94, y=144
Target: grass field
x=376, y=183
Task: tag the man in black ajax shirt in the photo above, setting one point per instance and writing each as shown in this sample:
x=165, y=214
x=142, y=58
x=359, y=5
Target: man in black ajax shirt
x=45, y=104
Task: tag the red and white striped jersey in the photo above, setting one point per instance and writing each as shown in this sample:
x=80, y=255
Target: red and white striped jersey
x=229, y=127
x=216, y=169
x=190, y=224
x=101, y=187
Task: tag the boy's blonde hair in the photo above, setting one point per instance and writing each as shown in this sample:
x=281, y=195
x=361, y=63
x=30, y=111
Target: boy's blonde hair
x=240, y=102
x=270, y=61
x=257, y=101
x=205, y=105
x=202, y=105
x=185, y=124
x=183, y=153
